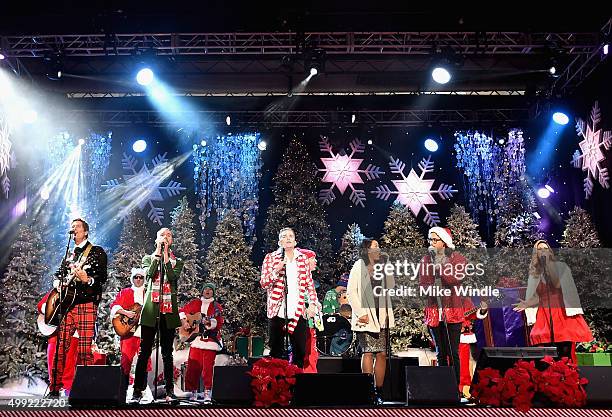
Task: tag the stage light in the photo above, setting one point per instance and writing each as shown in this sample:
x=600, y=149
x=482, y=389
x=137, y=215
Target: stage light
x=139, y=146
x=44, y=192
x=2, y=56
x=537, y=215
x=560, y=118
x=605, y=49
x=370, y=141
x=440, y=75
x=228, y=120
x=29, y=116
x=353, y=118
x=314, y=71
x=543, y=193
x=145, y=76
x=431, y=145
x=262, y=145
x=552, y=70
x=81, y=142
x=202, y=143
x=549, y=188
x=501, y=141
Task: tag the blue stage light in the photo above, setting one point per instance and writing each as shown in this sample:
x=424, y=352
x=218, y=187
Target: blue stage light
x=560, y=118
x=145, y=76
x=431, y=145
x=139, y=146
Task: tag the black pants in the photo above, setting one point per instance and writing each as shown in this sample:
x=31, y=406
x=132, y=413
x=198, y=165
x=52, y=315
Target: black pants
x=147, y=337
x=443, y=352
x=297, y=340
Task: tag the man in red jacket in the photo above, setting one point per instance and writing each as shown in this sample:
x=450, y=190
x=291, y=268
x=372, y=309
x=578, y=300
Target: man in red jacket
x=71, y=358
x=126, y=298
x=205, y=346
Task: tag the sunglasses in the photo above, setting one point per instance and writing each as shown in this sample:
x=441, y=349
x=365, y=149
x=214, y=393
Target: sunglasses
x=138, y=277
x=434, y=240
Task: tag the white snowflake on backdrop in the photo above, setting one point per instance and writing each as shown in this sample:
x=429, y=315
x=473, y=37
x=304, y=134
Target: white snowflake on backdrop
x=592, y=157
x=342, y=171
x=143, y=187
x=414, y=191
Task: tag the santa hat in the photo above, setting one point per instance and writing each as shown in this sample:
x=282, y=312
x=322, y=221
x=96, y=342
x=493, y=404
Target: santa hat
x=137, y=271
x=444, y=233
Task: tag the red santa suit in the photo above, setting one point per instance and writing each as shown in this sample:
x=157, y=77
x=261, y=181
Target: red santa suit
x=467, y=339
x=71, y=356
x=203, y=350
x=124, y=300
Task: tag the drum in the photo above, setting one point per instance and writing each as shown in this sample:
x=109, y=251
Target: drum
x=336, y=337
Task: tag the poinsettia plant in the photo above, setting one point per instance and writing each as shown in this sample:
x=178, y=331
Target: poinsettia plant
x=559, y=382
x=595, y=346
x=272, y=381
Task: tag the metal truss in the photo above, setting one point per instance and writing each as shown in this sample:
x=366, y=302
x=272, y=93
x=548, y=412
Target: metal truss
x=306, y=118
x=581, y=66
x=287, y=43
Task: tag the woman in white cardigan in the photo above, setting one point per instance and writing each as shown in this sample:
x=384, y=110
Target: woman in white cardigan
x=372, y=312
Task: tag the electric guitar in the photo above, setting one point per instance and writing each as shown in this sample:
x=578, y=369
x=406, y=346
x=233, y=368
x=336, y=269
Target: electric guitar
x=66, y=294
x=125, y=325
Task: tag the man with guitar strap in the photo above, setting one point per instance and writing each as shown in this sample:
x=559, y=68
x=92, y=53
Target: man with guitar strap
x=206, y=335
x=71, y=358
x=125, y=313
x=81, y=278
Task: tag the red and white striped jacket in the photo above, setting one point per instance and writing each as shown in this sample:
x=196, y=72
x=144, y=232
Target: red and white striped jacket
x=274, y=284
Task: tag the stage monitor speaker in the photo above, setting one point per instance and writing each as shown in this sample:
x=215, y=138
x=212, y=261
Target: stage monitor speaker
x=598, y=389
x=333, y=390
x=232, y=385
x=503, y=358
x=98, y=386
x=431, y=385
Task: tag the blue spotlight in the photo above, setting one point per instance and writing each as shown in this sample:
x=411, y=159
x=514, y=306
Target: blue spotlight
x=560, y=118
x=543, y=193
x=139, y=146
x=145, y=76
x=262, y=145
x=549, y=188
x=440, y=75
x=431, y=145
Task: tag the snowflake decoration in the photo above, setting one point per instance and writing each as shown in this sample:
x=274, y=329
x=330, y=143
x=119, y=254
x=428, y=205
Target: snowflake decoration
x=142, y=188
x=415, y=192
x=592, y=155
x=7, y=156
x=343, y=172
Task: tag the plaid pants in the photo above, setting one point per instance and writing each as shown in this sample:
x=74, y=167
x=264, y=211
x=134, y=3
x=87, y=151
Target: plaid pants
x=81, y=318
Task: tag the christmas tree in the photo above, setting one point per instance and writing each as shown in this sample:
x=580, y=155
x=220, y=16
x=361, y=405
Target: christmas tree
x=349, y=252
x=22, y=352
x=516, y=225
x=464, y=229
x=590, y=270
x=295, y=205
x=185, y=247
x=134, y=243
x=229, y=267
x=403, y=240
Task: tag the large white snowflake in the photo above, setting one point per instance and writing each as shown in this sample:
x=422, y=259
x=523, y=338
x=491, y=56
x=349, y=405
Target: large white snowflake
x=414, y=191
x=592, y=156
x=342, y=171
x=143, y=187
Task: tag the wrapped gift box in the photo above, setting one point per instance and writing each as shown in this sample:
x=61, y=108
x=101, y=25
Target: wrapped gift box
x=250, y=346
x=594, y=359
x=503, y=327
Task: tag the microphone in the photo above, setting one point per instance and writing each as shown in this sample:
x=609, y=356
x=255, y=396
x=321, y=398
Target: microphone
x=71, y=232
x=282, y=253
x=384, y=257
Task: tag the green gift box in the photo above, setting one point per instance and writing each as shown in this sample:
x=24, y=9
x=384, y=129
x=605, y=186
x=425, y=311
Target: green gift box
x=250, y=346
x=594, y=359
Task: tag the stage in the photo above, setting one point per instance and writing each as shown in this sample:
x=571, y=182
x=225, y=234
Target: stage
x=211, y=411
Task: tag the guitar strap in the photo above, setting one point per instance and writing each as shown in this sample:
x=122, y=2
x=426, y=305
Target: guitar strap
x=84, y=254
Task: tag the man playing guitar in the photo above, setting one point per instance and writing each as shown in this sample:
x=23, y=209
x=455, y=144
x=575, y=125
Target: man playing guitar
x=87, y=266
x=124, y=304
x=208, y=342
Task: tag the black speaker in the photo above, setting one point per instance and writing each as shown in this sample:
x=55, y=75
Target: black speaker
x=598, y=389
x=324, y=390
x=394, y=388
x=232, y=385
x=338, y=365
x=434, y=385
x=98, y=386
x=503, y=358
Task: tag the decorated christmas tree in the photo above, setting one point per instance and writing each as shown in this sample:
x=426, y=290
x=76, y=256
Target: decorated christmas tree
x=516, y=225
x=295, y=205
x=22, y=347
x=134, y=242
x=185, y=246
x=402, y=239
x=464, y=229
x=349, y=252
x=590, y=270
x=229, y=267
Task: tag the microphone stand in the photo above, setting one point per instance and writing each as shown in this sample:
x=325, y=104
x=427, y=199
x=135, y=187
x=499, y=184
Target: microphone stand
x=158, y=322
x=388, y=341
x=60, y=314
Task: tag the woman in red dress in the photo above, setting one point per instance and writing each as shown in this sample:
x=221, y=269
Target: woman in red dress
x=551, y=291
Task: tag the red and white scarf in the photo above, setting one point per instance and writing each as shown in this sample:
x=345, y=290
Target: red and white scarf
x=166, y=295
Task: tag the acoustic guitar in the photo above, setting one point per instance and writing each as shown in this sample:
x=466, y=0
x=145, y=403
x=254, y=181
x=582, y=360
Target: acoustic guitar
x=43, y=327
x=63, y=298
x=125, y=325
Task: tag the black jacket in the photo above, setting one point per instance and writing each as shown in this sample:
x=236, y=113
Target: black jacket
x=97, y=261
